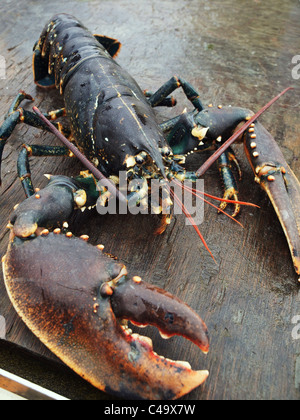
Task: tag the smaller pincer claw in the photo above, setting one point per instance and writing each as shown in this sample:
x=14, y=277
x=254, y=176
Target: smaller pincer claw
x=48, y=208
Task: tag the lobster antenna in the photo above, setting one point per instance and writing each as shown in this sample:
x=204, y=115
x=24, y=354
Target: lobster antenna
x=188, y=215
x=213, y=197
x=201, y=171
x=194, y=192
x=225, y=200
x=97, y=174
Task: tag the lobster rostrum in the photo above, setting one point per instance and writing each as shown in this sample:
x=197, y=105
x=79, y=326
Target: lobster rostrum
x=76, y=299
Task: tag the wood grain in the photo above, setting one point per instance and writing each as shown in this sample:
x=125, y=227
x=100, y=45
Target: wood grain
x=236, y=53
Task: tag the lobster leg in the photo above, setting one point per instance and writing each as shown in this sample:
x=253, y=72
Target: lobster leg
x=170, y=86
x=11, y=119
x=168, y=102
x=21, y=96
x=168, y=125
x=5, y=132
x=23, y=162
x=18, y=115
x=228, y=179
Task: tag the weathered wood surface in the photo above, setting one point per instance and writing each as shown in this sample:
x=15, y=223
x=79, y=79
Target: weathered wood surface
x=235, y=52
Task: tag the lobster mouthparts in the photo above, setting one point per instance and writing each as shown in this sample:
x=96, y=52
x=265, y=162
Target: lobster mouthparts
x=78, y=301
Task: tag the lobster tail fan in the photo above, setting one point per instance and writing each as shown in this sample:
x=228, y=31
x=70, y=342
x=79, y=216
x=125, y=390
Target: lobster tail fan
x=40, y=70
x=112, y=46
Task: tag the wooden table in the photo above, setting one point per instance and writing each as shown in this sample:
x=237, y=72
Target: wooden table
x=235, y=52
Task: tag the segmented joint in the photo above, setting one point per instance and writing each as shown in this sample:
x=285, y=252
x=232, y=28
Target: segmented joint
x=105, y=291
x=23, y=177
x=28, y=149
x=21, y=112
x=107, y=288
x=177, y=81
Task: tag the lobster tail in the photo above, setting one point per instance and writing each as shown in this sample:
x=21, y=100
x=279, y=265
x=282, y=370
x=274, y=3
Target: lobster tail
x=47, y=49
x=40, y=71
x=54, y=57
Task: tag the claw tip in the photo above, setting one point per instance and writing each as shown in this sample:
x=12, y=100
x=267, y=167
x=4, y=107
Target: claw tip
x=203, y=375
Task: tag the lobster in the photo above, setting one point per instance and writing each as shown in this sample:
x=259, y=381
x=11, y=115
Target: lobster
x=76, y=299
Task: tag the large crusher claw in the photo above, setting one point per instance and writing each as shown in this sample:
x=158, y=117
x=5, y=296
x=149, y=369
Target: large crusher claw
x=78, y=301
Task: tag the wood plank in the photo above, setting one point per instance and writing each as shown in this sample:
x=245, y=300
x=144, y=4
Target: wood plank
x=234, y=55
